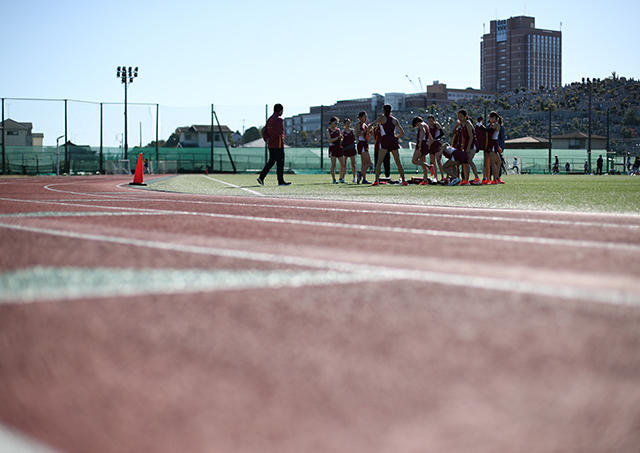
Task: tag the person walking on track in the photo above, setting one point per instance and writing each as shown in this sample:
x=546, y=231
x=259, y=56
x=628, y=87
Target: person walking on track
x=273, y=134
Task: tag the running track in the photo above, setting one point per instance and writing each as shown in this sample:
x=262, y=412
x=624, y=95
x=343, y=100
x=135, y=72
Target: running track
x=161, y=322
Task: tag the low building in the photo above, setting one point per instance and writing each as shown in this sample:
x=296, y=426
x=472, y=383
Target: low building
x=20, y=134
x=579, y=140
x=527, y=143
x=198, y=136
x=437, y=93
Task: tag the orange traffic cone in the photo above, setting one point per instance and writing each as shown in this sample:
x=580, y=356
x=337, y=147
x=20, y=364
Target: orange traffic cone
x=137, y=178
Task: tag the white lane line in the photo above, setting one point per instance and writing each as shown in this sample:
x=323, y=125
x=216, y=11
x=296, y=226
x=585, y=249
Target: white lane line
x=41, y=283
x=13, y=442
x=395, y=213
x=619, y=246
x=607, y=296
x=22, y=215
x=235, y=186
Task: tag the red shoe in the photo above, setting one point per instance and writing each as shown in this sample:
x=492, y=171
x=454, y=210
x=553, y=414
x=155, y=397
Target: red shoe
x=475, y=181
x=376, y=183
x=493, y=183
x=500, y=181
x=424, y=183
x=484, y=182
x=465, y=183
x=404, y=183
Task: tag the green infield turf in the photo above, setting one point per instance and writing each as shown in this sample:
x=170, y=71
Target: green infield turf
x=541, y=192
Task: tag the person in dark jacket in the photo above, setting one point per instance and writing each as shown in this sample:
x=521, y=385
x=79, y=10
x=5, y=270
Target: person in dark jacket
x=273, y=134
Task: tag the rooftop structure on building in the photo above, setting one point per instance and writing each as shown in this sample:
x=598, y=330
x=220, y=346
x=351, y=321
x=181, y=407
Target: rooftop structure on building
x=515, y=54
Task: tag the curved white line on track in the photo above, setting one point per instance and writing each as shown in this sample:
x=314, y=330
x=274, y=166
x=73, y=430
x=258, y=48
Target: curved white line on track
x=608, y=296
x=620, y=246
x=13, y=442
x=235, y=186
x=395, y=212
x=494, y=217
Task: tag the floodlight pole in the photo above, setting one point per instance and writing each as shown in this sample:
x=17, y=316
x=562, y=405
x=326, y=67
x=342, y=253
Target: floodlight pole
x=126, y=76
x=126, y=134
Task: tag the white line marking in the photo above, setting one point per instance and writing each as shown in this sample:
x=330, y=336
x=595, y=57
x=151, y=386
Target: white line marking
x=233, y=185
x=41, y=283
x=397, y=213
x=620, y=246
x=13, y=442
x=608, y=296
x=473, y=209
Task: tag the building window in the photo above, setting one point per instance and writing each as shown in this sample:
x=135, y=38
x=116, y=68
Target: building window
x=501, y=31
x=13, y=133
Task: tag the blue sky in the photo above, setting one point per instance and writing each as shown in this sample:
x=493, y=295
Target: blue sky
x=243, y=55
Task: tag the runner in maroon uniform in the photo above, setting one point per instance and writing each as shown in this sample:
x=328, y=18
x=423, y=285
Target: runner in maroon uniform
x=482, y=144
x=493, y=132
x=423, y=143
x=455, y=156
x=466, y=136
x=335, y=149
x=362, y=130
x=389, y=142
x=349, y=147
x=435, y=150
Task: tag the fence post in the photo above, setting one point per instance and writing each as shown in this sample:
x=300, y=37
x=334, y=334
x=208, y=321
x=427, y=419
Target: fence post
x=100, y=166
x=321, y=137
x=266, y=118
x=66, y=141
x=157, y=145
x=549, y=141
x=212, y=139
x=608, y=148
x=3, y=136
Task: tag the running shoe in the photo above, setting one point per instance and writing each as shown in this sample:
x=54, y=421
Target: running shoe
x=341, y=181
x=454, y=182
x=359, y=177
x=424, y=183
x=493, y=183
x=335, y=182
x=475, y=181
x=500, y=181
x=484, y=182
x=404, y=183
x=465, y=183
x=364, y=181
x=284, y=183
x=376, y=183
x=260, y=181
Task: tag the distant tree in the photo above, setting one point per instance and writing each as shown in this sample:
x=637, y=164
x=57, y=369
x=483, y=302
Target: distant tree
x=251, y=134
x=630, y=118
x=152, y=144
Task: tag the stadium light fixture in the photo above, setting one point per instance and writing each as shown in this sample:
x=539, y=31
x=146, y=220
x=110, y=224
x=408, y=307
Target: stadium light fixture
x=126, y=76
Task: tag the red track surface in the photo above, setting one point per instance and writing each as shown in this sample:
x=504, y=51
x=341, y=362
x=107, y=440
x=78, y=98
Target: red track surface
x=478, y=330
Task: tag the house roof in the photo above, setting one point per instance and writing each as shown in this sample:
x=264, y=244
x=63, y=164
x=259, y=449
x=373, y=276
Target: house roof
x=580, y=135
x=202, y=128
x=527, y=140
x=10, y=124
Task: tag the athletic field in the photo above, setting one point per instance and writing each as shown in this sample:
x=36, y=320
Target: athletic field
x=207, y=313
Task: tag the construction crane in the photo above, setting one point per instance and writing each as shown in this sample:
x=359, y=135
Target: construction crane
x=413, y=84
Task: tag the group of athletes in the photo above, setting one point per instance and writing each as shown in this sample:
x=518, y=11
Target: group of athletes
x=468, y=139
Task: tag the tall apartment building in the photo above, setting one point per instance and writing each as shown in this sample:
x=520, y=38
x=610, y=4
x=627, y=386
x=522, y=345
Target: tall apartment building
x=515, y=54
